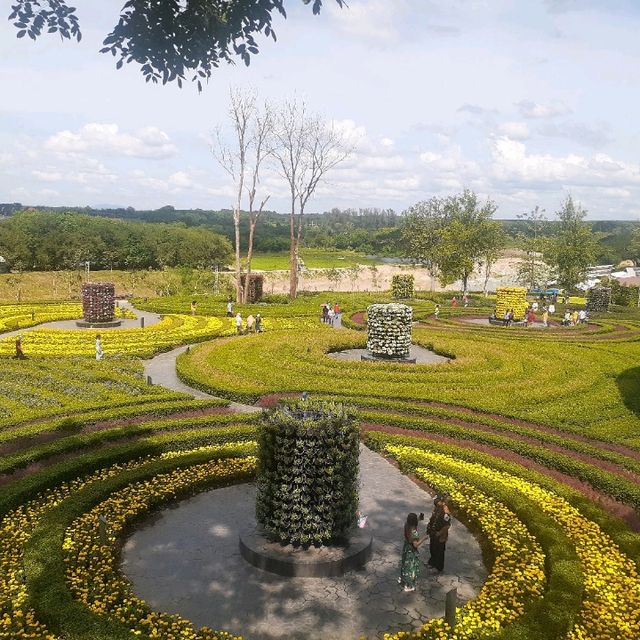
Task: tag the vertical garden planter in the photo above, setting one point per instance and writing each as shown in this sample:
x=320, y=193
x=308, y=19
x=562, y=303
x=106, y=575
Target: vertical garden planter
x=308, y=474
x=402, y=286
x=98, y=301
x=389, y=330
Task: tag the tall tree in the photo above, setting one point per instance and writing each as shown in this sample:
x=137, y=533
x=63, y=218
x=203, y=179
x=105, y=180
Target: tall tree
x=421, y=232
x=305, y=148
x=533, y=272
x=453, y=235
x=243, y=160
x=171, y=40
x=261, y=142
x=573, y=247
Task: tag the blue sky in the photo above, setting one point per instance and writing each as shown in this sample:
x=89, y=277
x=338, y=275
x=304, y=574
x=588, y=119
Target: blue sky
x=522, y=102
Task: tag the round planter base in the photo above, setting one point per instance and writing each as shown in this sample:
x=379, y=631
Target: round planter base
x=500, y=323
x=296, y=562
x=370, y=357
x=108, y=324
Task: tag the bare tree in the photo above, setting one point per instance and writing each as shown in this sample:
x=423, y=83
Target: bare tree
x=260, y=144
x=305, y=148
x=243, y=161
x=242, y=109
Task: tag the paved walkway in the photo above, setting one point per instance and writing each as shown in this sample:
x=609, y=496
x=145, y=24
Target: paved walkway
x=162, y=369
x=186, y=560
x=149, y=319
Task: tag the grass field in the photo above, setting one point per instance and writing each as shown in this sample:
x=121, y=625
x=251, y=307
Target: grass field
x=313, y=259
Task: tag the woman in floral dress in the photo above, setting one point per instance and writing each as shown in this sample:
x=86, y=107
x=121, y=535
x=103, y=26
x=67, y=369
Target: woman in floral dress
x=410, y=565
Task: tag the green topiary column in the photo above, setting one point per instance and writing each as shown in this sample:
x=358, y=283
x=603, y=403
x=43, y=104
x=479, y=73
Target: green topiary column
x=308, y=473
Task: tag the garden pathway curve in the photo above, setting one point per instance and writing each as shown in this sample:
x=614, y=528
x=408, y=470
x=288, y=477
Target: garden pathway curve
x=162, y=369
x=186, y=560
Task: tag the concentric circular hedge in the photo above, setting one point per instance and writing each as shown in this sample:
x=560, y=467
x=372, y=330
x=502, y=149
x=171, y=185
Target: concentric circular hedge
x=536, y=440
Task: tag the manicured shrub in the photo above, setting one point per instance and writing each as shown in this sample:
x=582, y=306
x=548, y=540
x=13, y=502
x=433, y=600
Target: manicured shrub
x=308, y=473
x=402, y=286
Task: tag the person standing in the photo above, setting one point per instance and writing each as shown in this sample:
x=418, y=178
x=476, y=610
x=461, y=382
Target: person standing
x=552, y=308
x=582, y=316
x=545, y=317
x=574, y=317
x=251, y=321
x=465, y=300
x=331, y=316
x=258, y=323
x=436, y=311
x=230, y=309
x=410, y=563
x=19, y=352
x=438, y=531
x=194, y=304
x=99, y=352
x=454, y=301
x=238, y=323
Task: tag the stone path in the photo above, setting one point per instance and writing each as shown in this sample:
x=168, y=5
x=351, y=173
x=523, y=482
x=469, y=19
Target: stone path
x=186, y=560
x=422, y=355
x=162, y=369
x=149, y=319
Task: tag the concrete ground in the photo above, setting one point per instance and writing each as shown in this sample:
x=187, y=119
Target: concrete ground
x=422, y=355
x=186, y=560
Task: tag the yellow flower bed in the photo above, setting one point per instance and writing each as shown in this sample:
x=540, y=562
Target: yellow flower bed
x=93, y=575
x=518, y=571
x=19, y=316
x=17, y=619
x=514, y=298
x=171, y=331
x=611, y=601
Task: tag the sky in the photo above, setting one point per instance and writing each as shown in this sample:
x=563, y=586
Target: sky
x=522, y=102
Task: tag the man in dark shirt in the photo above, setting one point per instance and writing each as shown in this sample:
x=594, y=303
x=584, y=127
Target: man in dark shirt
x=438, y=531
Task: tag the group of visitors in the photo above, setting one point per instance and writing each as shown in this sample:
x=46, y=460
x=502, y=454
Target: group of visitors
x=465, y=301
x=573, y=318
x=254, y=324
x=330, y=313
x=437, y=533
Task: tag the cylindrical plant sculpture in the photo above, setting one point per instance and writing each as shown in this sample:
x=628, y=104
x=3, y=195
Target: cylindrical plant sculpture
x=98, y=301
x=308, y=473
x=402, y=286
x=599, y=299
x=511, y=299
x=389, y=330
x=256, y=286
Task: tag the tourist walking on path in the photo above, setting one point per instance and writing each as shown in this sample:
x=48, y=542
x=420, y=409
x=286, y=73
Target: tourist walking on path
x=438, y=531
x=251, y=321
x=258, y=323
x=238, y=323
x=99, y=352
x=436, y=311
x=336, y=311
x=545, y=317
x=229, y=309
x=410, y=564
x=331, y=316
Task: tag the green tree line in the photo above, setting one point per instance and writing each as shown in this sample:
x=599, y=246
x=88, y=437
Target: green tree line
x=34, y=240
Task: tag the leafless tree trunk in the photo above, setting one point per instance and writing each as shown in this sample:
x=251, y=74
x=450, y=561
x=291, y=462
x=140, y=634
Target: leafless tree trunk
x=242, y=109
x=261, y=143
x=305, y=148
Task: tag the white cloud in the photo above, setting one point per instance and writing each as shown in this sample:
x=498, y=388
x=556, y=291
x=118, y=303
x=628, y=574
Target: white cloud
x=376, y=22
x=387, y=142
x=95, y=137
x=531, y=109
x=511, y=161
x=514, y=130
x=47, y=176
